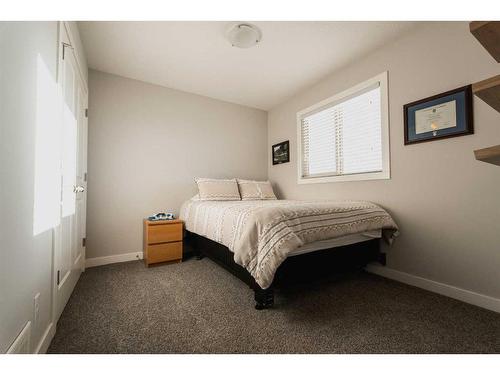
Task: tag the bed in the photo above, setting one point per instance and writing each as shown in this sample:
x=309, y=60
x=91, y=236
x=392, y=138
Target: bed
x=265, y=242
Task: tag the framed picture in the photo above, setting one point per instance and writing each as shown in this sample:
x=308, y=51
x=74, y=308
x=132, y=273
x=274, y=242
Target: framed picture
x=281, y=152
x=440, y=116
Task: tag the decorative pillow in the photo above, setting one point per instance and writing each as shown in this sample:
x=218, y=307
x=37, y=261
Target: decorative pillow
x=255, y=190
x=211, y=189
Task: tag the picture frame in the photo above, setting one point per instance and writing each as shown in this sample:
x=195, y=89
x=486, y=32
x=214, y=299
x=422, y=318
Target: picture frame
x=445, y=115
x=281, y=152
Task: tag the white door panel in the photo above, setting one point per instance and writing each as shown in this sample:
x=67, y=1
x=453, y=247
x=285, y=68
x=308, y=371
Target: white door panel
x=81, y=177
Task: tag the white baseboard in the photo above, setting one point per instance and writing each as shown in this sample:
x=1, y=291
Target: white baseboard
x=100, y=261
x=47, y=337
x=464, y=295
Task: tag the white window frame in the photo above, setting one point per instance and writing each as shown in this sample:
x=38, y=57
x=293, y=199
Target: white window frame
x=382, y=80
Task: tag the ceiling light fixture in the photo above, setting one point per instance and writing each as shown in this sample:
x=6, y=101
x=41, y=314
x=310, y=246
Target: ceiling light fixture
x=244, y=35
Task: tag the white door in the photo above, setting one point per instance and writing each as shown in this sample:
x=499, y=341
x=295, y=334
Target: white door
x=69, y=255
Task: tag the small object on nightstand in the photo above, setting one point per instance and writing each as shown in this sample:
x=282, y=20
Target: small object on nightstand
x=162, y=216
x=162, y=241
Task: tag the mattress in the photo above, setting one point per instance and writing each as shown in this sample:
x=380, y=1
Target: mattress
x=336, y=242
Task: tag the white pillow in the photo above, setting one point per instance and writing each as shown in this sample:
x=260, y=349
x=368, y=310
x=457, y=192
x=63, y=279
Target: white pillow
x=255, y=190
x=211, y=189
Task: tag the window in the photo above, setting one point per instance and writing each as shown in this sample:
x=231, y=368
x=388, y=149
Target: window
x=346, y=137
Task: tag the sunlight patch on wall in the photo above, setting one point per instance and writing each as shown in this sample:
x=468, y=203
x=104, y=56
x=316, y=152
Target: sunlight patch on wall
x=47, y=194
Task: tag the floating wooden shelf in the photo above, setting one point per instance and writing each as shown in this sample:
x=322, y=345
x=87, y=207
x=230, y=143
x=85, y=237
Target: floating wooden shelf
x=489, y=91
x=488, y=155
x=488, y=34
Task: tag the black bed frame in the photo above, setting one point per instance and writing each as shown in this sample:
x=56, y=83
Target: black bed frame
x=295, y=269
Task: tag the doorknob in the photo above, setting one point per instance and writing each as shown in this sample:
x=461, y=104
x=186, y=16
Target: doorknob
x=78, y=189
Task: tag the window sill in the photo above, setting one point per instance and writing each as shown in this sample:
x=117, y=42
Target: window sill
x=384, y=175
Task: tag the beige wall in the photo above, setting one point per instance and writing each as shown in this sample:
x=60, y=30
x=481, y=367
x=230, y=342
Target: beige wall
x=446, y=203
x=28, y=56
x=146, y=145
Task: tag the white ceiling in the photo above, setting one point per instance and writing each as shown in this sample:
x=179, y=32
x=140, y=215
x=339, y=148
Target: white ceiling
x=196, y=57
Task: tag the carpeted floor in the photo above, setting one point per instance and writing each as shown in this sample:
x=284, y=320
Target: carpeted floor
x=198, y=307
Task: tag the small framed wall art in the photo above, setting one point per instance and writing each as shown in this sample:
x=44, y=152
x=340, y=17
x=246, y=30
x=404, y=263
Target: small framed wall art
x=281, y=152
x=440, y=116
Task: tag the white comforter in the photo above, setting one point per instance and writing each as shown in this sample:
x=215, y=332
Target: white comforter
x=261, y=234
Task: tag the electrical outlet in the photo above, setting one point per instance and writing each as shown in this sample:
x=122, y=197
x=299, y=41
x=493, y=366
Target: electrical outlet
x=36, y=309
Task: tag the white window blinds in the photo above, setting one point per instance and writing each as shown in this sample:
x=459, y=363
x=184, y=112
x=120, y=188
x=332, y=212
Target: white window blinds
x=343, y=137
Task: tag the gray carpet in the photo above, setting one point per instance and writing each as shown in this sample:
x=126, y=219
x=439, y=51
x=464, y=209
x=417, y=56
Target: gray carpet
x=198, y=307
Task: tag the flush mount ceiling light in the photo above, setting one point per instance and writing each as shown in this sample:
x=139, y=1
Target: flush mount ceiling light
x=244, y=35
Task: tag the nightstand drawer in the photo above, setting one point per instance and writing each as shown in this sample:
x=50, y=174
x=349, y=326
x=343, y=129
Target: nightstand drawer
x=164, y=252
x=164, y=233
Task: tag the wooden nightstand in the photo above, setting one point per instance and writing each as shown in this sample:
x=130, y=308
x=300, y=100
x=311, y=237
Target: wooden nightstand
x=162, y=241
